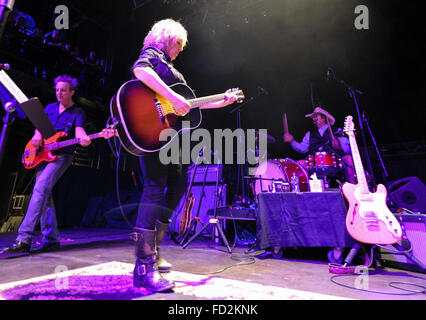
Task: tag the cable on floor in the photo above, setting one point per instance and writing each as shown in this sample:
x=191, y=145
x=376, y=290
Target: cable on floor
x=390, y=284
x=243, y=259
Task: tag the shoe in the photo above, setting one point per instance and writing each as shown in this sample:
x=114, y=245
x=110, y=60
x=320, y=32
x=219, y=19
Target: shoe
x=332, y=257
x=277, y=252
x=146, y=273
x=18, y=247
x=264, y=255
x=46, y=246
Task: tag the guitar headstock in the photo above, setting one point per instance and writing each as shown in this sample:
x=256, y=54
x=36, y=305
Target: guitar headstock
x=108, y=133
x=239, y=93
x=349, y=126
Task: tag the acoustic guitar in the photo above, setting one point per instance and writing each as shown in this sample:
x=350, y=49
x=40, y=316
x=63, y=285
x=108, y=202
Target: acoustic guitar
x=186, y=218
x=141, y=115
x=368, y=219
x=33, y=156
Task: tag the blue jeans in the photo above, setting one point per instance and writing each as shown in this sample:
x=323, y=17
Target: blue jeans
x=41, y=207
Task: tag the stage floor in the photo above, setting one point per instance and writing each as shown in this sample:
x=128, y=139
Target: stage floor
x=97, y=264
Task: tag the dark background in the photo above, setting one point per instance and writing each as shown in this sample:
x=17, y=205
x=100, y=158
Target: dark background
x=283, y=46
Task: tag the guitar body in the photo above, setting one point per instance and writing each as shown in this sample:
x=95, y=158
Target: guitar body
x=139, y=111
x=369, y=220
x=32, y=156
x=186, y=215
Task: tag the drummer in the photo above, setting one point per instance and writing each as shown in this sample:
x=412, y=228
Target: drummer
x=323, y=139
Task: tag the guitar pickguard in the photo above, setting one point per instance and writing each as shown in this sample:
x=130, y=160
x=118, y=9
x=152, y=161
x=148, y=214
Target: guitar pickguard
x=373, y=210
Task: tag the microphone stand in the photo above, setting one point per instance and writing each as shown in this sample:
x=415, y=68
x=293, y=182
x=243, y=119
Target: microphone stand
x=352, y=94
x=384, y=171
x=7, y=120
x=6, y=7
x=242, y=167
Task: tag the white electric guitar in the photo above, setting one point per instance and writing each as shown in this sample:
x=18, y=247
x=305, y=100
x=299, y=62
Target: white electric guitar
x=369, y=220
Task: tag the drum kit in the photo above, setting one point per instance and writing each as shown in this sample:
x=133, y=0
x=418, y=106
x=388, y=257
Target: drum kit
x=274, y=175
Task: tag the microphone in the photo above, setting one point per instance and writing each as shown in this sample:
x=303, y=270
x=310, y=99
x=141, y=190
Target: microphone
x=4, y=66
x=261, y=91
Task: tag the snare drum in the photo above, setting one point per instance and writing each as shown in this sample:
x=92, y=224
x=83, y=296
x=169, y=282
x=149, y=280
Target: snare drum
x=324, y=159
x=274, y=176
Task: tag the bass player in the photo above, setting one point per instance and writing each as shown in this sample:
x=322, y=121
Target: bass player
x=65, y=116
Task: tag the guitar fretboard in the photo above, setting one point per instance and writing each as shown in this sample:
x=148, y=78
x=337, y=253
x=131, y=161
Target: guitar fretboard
x=63, y=144
x=359, y=169
x=198, y=102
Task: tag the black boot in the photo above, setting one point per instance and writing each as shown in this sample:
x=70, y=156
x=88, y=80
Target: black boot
x=146, y=272
x=163, y=265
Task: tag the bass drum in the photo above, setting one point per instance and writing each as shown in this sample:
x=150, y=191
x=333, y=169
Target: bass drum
x=274, y=176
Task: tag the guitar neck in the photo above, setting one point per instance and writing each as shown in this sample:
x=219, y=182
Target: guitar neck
x=359, y=169
x=198, y=102
x=193, y=179
x=67, y=143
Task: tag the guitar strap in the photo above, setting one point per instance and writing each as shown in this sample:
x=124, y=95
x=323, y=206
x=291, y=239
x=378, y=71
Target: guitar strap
x=69, y=127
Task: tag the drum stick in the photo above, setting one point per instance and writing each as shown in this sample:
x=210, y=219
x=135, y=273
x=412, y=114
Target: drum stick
x=329, y=127
x=285, y=124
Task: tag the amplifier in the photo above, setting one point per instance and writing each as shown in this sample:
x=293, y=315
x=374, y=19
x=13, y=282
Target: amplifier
x=205, y=200
x=414, y=236
x=12, y=224
x=408, y=193
x=205, y=173
x=19, y=205
x=17, y=212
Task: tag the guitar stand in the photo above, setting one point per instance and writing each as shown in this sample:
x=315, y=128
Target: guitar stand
x=213, y=221
x=192, y=226
x=216, y=223
x=196, y=219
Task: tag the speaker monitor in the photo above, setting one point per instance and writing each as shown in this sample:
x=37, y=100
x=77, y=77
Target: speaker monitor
x=409, y=193
x=7, y=188
x=414, y=229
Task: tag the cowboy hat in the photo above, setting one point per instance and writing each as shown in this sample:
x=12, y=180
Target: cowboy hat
x=324, y=113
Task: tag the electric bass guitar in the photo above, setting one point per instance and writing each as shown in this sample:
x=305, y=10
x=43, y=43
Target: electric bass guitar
x=33, y=156
x=368, y=220
x=141, y=115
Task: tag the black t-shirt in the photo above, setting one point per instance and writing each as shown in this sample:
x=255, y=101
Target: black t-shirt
x=72, y=117
x=160, y=63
